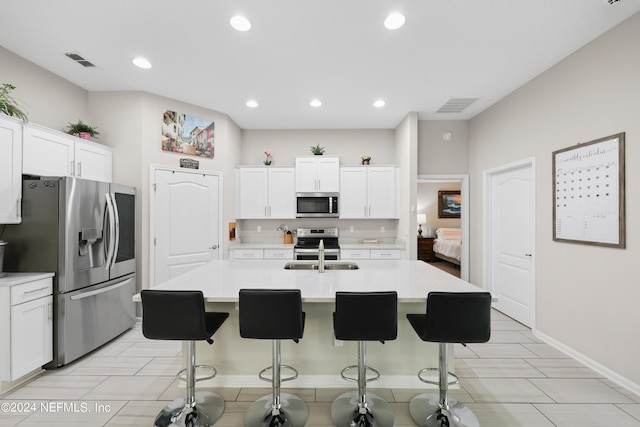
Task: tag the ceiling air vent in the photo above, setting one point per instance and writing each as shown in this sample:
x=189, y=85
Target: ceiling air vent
x=79, y=59
x=456, y=105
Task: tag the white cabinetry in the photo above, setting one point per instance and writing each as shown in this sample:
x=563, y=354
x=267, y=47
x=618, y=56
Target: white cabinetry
x=47, y=152
x=355, y=254
x=317, y=174
x=369, y=192
x=265, y=192
x=10, y=170
x=26, y=329
x=261, y=254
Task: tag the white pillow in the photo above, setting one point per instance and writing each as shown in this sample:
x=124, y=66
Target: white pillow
x=448, y=233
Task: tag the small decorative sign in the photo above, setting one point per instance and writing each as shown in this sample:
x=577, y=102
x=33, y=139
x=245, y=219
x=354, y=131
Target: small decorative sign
x=189, y=164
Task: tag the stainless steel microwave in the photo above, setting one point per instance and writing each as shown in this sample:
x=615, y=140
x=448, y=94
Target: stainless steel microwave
x=317, y=205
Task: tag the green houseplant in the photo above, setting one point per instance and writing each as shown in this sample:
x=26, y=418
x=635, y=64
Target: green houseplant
x=317, y=150
x=8, y=104
x=366, y=159
x=82, y=130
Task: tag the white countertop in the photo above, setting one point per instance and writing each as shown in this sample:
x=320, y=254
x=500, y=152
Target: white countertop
x=220, y=281
x=12, y=279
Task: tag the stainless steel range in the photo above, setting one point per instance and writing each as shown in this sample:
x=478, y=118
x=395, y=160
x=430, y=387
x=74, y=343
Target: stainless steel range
x=309, y=240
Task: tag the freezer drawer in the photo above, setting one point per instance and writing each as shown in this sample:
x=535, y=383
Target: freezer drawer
x=91, y=317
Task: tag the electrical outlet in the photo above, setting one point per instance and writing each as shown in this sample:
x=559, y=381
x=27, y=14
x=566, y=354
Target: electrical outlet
x=259, y=229
x=351, y=229
x=382, y=229
x=338, y=343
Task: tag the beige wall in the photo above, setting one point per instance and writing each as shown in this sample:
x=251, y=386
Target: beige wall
x=427, y=203
x=586, y=296
x=349, y=144
x=47, y=99
x=437, y=156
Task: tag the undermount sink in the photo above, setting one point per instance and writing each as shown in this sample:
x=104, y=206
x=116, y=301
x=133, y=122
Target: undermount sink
x=327, y=266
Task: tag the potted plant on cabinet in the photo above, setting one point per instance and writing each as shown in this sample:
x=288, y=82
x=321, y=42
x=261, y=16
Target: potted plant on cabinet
x=8, y=104
x=82, y=130
x=317, y=150
x=366, y=159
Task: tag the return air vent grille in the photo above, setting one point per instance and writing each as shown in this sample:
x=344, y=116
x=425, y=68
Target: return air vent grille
x=79, y=59
x=456, y=105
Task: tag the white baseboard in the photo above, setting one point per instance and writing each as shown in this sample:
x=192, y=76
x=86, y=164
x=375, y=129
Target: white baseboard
x=599, y=368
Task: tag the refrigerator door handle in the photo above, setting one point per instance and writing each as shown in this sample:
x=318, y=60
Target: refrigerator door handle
x=116, y=232
x=100, y=291
x=110, y=240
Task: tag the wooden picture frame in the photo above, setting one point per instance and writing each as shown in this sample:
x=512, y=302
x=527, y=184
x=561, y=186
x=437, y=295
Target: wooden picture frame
x=589, y=193
x=449, y=204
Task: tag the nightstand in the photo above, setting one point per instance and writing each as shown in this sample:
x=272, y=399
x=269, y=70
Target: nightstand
x=425, y=249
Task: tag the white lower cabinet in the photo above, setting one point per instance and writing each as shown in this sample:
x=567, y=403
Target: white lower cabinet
x=26, y=330
x=355, y=254
x=261, y=254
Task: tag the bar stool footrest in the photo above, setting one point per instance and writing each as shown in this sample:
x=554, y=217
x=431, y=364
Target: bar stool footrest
x=424, y=380
x=282, y=379
x=182, y=375
x=354, y=379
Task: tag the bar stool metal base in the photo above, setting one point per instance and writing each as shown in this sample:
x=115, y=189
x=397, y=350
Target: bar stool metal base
x=208, y=407
x=344, y=411
x=293, y=413
x=426, y=412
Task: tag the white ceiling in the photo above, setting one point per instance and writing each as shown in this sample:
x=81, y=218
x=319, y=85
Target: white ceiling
x=334, y=50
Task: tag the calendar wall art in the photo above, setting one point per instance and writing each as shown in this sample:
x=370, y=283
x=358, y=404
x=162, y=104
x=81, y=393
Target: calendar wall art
x=588, y=193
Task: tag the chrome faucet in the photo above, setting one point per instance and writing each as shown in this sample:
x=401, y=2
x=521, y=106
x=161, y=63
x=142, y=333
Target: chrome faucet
x=321, y=256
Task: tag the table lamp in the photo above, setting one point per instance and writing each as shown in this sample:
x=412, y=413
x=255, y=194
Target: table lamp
x=422, y=219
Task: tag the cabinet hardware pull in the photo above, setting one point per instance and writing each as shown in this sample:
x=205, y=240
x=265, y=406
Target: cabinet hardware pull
x=36, y=290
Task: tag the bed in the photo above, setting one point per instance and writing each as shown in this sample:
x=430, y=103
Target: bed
x=448, y=245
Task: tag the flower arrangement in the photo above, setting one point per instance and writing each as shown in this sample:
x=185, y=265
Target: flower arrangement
x=366, y=159
x=269, y=159
x=317, y=150
x=82, y=130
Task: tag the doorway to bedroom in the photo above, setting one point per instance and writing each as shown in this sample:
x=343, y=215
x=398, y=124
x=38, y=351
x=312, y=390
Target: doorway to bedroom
x=443, y=222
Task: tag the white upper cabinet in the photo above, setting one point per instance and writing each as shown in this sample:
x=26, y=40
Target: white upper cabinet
x=369, y=192
x=10, y=170
x=265, y=192
x=47, y=152
x=93, y=161
x=317, y=174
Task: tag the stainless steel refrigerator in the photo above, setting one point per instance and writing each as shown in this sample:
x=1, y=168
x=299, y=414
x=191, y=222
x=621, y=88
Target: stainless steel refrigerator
x=84, y=232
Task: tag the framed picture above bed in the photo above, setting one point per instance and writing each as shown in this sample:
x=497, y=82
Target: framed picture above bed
x=449, y=204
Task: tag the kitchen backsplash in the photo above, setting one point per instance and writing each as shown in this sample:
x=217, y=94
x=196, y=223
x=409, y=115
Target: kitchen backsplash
x=351, y=231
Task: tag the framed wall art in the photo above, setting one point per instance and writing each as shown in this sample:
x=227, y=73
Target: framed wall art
x=449, y=204
x=184, y=134
x=588, y=193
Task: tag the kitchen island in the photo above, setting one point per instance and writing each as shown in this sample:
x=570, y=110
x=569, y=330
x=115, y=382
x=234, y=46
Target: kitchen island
x=318, y=356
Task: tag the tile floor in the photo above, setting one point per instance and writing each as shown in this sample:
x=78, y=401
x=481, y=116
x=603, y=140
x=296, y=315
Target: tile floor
x=513, y=380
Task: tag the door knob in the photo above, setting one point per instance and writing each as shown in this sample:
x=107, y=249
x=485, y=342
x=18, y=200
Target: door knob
x=527, y=254
x=214, y=247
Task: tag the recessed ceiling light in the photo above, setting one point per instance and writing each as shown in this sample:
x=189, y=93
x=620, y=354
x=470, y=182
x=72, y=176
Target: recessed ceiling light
x=141, y=62
x=379, y=103
x=240, y=23
x=315, y=103
x=394, y=21
x=252, y=103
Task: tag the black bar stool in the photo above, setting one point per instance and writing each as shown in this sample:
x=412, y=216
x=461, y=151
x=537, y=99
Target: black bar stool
x=274, y=314
x=362, y=317
x=452, y=317
x=180, y=315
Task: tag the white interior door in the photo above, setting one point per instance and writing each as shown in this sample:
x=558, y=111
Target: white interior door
x=186, y=222
x=510, y=241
